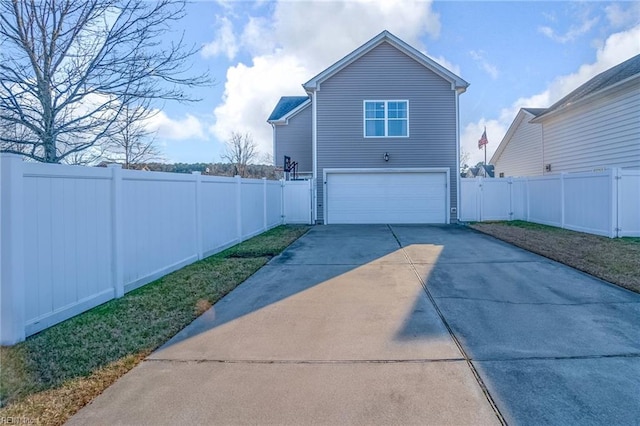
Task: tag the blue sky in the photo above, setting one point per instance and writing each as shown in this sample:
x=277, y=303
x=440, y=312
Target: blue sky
x=514, y=54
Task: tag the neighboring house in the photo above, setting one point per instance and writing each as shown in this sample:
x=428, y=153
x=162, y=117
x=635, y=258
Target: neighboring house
x=520, y=152
x=384, y=136
x=481, y=171
x=594, y=127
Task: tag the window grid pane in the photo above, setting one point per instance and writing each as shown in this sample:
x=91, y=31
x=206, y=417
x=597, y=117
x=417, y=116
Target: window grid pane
x=386, y=118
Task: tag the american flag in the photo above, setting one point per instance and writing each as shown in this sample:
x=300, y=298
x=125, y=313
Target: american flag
x=483, y=140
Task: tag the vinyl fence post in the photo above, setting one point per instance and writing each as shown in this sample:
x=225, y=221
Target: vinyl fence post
x=198, y=207
x=12, y=291
x=480, y=199
x=282, y=201
x=264, y=203
x=562, y=200
x=117, y=244
x=616, y=205
x=239, y=207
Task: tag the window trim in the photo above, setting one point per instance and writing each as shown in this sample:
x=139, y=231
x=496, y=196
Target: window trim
x=386, y=118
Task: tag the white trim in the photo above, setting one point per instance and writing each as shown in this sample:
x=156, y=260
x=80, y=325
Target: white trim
x=458, y=182
x=314, y=151
x=446, y=170
x=386, y=118
x=386, y=36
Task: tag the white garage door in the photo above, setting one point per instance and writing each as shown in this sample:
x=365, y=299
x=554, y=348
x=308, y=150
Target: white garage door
x=386, y=197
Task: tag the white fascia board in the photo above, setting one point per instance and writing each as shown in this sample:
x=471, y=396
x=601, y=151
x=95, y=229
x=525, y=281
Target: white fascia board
x=457, y=82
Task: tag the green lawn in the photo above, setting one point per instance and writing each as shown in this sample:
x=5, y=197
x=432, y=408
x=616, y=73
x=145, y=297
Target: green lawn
x=57, y=371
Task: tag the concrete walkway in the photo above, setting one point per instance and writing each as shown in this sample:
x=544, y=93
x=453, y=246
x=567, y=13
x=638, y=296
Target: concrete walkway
x=396, y=325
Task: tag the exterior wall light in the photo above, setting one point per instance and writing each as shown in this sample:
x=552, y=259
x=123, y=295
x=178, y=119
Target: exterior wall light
x=386, y=156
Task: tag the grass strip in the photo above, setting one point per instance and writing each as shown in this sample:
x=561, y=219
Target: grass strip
x=53, y=374
x=616, y=260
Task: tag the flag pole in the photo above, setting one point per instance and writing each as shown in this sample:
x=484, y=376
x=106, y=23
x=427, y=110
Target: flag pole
x=485, y=154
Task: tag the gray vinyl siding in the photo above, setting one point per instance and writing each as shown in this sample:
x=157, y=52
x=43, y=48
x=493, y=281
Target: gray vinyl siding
x=523, y=154
x=295, y=140
x=385, y=73
x=602, y=133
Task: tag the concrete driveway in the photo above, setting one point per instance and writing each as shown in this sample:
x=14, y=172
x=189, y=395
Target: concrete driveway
x=379, y=324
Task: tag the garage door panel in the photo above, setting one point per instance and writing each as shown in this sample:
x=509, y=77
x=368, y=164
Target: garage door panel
x=386, y=197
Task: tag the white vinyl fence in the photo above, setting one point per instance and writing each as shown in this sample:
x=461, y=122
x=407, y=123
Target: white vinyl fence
x=603, y=203
x=73, y=237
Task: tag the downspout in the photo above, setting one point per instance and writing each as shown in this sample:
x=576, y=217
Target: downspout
x=314, y=139
x=458, y=182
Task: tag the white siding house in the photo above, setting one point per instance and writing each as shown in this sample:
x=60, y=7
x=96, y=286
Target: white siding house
x=520, y=151
x=594, y=127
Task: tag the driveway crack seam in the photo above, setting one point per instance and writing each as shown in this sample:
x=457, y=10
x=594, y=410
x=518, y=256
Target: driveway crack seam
x=480, y=299
x=467, y=359
x=558, y=358
x=306, y=362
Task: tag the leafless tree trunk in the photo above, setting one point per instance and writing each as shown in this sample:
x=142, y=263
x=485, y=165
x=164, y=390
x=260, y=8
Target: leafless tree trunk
x=69, y=69
x=241, y=150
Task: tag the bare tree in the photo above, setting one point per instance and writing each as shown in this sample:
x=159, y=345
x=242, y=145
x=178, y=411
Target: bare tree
x=464, y=159
x=133, y=143
x=69, y=69
x=240, y=151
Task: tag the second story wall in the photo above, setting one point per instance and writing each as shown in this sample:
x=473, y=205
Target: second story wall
x=386, y=74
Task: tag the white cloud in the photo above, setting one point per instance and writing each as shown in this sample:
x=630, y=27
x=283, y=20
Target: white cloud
x=484, y=64
x=619, y=16
x=188, y=127
x=224, y=43
x=617, y=48
x=299, y=40
x=573, y=33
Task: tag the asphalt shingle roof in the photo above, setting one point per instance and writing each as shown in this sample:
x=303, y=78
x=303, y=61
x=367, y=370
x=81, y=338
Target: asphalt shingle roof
x=614, y=75
x=285, y=105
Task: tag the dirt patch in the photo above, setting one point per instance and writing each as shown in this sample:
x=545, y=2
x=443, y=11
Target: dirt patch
x=616, y=260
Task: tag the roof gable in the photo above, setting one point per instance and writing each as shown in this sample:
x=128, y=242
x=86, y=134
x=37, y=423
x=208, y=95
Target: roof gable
x=386, y=37
x=286, y=107
x=524, y=115
x=599, y=83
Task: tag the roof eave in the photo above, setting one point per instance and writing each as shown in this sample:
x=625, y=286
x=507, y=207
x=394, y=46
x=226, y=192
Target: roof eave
x=458, y=83
x=553, y=112
x=285, y=118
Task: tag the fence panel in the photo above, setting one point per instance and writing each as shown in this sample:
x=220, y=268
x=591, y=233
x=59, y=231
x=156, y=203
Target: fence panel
x=545, y=200
x=252, y=201
x=629, y=203
x=602, y=203
x=519, y=198
x=274, y=203
x=67, y=241
x=159, y=224
x=297, y=200
x=588, y=203
x=496, y=199
x=469, y=200
x=75, y=237
x=219, y=212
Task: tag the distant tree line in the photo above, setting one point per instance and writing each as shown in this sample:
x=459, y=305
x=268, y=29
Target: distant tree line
x=252, y=171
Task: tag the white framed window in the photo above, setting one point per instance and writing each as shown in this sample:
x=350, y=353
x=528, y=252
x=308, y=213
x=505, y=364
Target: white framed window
x=386, y=119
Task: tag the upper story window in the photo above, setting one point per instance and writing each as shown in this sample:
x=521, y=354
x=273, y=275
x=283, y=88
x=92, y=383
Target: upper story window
x=386, y=119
